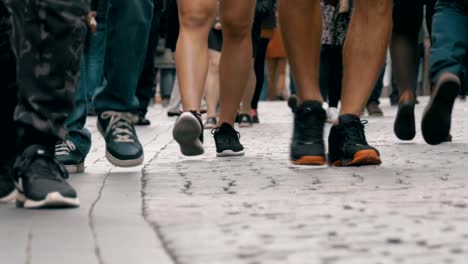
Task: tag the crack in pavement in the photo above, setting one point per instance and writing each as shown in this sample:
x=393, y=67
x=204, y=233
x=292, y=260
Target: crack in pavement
x=153, y=224
x=91, y=224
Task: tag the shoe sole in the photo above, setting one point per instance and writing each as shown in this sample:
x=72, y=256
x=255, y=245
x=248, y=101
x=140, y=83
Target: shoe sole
x=186, y=132
x=10, y=197
x=52, y=200
x=230, y=153
x=361, y=158
x=75, y=168
x=310, y=161
x=127, y=163
x=405, y=124
x=437, y=117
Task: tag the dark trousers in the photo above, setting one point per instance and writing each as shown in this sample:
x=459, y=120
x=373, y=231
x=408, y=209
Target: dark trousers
x=331, y=73
x=47, y=39
x=259, y=68
x=146, y=84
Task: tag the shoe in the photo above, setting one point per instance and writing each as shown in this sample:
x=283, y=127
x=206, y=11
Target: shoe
x=307, y=146
x=254, y=115
x=188, y=132
x=211, y=122
x=292, y=102
x=348, y=145
x=227, y=141
x=245, y=120
x=41, y=180
x=69, y=156
x=462, y=98
x=142, y=121
x=91, y=111
x=8, y=191
x=171, y=113
x=373, y=109
x=123, y=149
x=437, y=116
x=394, y=99
x=405, y=124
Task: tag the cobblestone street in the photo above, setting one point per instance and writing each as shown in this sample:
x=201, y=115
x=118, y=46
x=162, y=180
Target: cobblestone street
x=257, y=209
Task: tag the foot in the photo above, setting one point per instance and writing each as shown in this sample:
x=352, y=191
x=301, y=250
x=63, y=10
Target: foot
x=373, y=109
x=227, y=141
x=69, y=156
x=41, y=180
x=188, y=132
x=307, y=147
x=8, y=191
x=404, y=126
x=142, y=121
x=348, y=145
x=254, y=115
x=245, y=120
x=437, y=116
x=211, y=122
x=123, y=149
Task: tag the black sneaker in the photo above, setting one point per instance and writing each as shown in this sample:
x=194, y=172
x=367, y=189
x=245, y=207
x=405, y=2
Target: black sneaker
x=70, y=157
x=41, y=180
x=307, y=146
x=405, y=124
x=437, y=117
x=123, y=149
x=188, y=132
x=142, y=121
x=254, y=115
x=292, y=102
x=211, y=122
x=348, y=145
x=227, y=141
x=245, y=120
x=7, y=185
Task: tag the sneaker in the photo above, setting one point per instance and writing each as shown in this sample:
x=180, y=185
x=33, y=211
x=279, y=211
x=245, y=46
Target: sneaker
x=211, y=122
x=245, y=120
x=142, y=121
x=188, y=132
x=373, y=109
x=254, y=115
x=348, y=145
x=227, y=141
x=69, y=156
x=437, y=116
x=123, y=149
x=307, y=146
x=8, y=191
x=41, y=180
x=405, y=124
x=171, y=113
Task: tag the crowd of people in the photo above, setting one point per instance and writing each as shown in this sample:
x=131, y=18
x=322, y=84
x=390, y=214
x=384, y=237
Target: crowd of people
x=64, y=60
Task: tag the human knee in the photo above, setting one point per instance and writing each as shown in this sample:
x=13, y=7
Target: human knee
x=373, y=8
x=196, y=17
x=236, y=27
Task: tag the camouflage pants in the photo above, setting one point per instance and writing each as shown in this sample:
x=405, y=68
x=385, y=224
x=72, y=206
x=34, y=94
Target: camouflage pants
x=41, y=45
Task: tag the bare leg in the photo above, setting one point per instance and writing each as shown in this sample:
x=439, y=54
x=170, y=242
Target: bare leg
x=281, y=73
x=248, y=94
x=212, y=83
x=301, y=28
x=236, y=58
x=196, y=18
x=272, y=78
x=372, y=22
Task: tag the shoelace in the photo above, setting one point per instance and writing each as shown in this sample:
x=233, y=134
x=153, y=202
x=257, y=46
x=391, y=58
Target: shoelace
x=64, y=148
x=121, y=126
x=225, y=135
x=354, y=132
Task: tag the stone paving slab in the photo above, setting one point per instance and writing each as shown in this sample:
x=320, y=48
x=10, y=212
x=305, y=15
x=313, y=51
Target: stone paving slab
x=258, y=208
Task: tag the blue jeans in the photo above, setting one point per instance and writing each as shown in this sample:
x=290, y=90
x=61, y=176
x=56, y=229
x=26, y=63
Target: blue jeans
x=128, y=27
x=449, y=52
x=91, y=77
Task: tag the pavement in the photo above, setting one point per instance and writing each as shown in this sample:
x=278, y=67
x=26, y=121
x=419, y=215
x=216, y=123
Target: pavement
x=257, y=209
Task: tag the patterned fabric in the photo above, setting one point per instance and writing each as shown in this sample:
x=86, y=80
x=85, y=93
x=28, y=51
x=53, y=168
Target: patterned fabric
x=334, y=24
x=47, y=40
